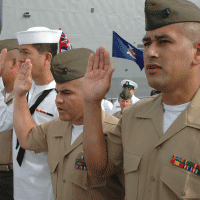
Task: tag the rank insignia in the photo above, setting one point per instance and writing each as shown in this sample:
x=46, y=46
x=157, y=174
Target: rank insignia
x=185, y=164
x=80, y=163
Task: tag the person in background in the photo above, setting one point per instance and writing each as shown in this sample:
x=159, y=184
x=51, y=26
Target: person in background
x=124, y=101
x=32, y=178
x=63, y=137
x=157, y=139
x=107, y=106
x=9, y=74
x=132, y=86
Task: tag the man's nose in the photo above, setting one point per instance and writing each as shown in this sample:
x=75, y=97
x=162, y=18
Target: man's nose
x=151, y=52
x=59, y=99
x=21, y=58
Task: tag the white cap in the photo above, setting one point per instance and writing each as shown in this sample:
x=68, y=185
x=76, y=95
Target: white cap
x=38, y=35
x=130, y=83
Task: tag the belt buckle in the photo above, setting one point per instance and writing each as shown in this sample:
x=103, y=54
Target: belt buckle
x=8, y=168
x=5, y=168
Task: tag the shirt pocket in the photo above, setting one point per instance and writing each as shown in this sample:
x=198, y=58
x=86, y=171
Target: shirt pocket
x=80, y=177
x=184, y=184
x=53, y=165
x=131, y=167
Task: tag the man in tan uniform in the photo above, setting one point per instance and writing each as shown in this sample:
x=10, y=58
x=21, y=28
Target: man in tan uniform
x=63, y=137
x=8, y=76
x=158, y=139
x=124, y=101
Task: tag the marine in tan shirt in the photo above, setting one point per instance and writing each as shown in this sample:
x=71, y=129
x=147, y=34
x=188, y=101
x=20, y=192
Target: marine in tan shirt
x=124, y=101
x=158, y=139
x=8, y=76
x=63, y=137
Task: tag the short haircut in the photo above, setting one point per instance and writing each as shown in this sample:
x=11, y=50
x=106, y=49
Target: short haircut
x=191, y=30
x=50, y=47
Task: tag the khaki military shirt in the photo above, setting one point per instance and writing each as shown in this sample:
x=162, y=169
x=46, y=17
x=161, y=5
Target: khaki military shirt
x=147, y=152
x=118, y=114
x=68, y=181
x=6, y=138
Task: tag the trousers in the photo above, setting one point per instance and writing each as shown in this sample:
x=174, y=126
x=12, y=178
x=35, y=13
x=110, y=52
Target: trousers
x=6, y=185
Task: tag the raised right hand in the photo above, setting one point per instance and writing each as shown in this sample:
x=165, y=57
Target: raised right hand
x=97, y=80
x=23, y=81
x=3, y=57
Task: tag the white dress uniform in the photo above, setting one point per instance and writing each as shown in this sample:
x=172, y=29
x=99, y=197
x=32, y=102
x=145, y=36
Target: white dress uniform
x=32, y=180
x=1, y=84
x=107, y=106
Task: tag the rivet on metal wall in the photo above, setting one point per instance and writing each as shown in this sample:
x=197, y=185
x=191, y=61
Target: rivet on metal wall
x=26, y=14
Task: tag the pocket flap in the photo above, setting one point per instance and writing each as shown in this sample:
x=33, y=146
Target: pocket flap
x=131, y=161
x=80, y=178
x=183, y=183
x=52, y=165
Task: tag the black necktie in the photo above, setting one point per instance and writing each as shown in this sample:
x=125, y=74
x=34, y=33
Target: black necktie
x=32, y=109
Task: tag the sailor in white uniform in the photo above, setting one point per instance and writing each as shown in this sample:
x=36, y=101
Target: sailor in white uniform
x=132, y=86
x=107, y=106
x=32, y=178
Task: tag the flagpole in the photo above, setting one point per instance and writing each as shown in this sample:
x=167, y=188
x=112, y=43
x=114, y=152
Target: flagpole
x=111, y=83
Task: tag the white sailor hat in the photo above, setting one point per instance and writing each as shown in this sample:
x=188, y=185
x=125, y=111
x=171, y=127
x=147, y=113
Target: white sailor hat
x=38, y=35
x=129, y=82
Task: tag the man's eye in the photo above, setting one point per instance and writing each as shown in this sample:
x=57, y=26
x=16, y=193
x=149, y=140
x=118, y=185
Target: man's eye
x=163, y=41
x=66, y=92
x=146, y=44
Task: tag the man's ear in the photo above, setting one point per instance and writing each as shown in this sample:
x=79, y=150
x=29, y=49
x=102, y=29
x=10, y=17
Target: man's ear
x=196, y=60
x=48, y=58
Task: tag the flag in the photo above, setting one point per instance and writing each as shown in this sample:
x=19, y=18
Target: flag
x=64, y=43
x=123, y=49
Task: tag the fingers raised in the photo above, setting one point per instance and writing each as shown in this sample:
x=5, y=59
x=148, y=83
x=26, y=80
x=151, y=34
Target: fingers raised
x=26, y=68
x=90, y=62
x=96, y=59
x=101, y=59
x=107, y=60
x=3, y=55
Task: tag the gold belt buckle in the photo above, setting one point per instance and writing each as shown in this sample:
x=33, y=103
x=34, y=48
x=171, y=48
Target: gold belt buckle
x=5, y=168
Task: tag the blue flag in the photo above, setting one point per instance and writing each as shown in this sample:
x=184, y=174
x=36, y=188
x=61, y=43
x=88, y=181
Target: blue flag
x=123, y=49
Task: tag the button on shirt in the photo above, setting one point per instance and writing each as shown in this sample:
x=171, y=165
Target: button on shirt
x=32, y=180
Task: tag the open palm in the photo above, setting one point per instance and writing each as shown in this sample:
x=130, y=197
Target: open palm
x=97, y=79
x=23, y=81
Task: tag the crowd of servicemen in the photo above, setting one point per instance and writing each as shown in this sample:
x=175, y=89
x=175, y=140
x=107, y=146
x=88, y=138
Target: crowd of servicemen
x=57, y=142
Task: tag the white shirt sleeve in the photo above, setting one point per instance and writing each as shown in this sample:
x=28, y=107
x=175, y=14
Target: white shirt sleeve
x=107, y=106
x=1, y=84
x=6, y=114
